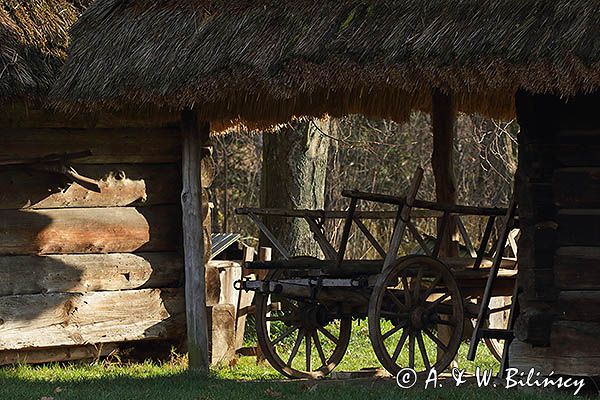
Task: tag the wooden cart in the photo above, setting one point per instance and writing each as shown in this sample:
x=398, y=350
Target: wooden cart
x=416, y=305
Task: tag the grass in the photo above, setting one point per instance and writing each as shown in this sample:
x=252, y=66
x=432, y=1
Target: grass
x=111, y=380
x=360, y=352
x=105, y=381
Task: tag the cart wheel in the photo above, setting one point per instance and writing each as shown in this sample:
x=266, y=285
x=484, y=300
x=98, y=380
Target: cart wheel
x=408, y=302
x=300, y=339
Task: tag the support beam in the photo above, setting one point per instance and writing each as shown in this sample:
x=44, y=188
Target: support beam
x=195, y=136
x=443, y=118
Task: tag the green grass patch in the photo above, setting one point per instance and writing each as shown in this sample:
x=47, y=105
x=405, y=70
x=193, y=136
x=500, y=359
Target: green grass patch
x=104, y=381
x=111, y=380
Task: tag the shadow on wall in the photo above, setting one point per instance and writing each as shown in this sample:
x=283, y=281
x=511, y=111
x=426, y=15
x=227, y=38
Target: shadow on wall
x=28, y=282
x=64, y=269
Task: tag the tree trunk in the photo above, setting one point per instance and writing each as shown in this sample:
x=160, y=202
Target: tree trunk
x=293, y=177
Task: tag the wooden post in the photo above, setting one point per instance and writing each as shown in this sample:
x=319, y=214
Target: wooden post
x=195, y=137
x=443, y=117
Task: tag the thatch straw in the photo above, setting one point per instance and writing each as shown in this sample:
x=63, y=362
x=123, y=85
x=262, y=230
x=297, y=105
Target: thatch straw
x=34, y=35
x=262, y=61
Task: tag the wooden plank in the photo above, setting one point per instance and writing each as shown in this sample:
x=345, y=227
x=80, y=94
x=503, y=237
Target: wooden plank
x=333, y=214
x=579, y=148
x=465, y=236
x=19, y=115
x=363, y=228
x=580, y=305
x=578, y=227
x=89, y=272
x=120, y=184
x=346, y=231
x=576, y=155
x=577, y=268
x=67, y=319
x=402, y=219
x=484, y=241
x=320, y=238
x=195, y=136
x=538, y=284
x=58, y=354
x=577, y=187
x=267, y=232
x=436, y=207
x=574, y=350
x=89, y=230
x=128, y=145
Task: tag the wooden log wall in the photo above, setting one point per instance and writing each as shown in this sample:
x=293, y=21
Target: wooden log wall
x=83, y=272
x=559, y=251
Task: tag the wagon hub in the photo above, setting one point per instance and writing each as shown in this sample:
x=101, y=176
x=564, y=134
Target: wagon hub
x=315, y=317
x=419, y=318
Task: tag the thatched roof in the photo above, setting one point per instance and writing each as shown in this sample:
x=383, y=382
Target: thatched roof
x=34, y=35
x=264, y=61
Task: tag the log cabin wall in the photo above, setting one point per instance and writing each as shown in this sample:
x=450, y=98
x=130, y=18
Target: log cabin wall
x=558, y=185
x=81, y=272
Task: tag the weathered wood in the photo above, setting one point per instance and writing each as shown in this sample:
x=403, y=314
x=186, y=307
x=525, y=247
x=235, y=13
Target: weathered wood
x=195, y=137
x=88, y=272
x=578, y=227
x=577, y=187
x=58, y=354
x=67, y=319
x=577, y=268
x=213, y=284
x=547, y=141
x=270, y=236
x=481, y=251
x=120, y=185
x=427, y=205
x=537, y=285
x=579, y=149
x=20, y=115
x=533, y=325
x=537, y=244
x=131, y=145
x=443, y=119
x=333, y=214
x=228, y=272
x=490, y=284
x=222, y=334
x=320, y=238
x=579, y=305
x=244, y=299
x=346, y=230
x=574, y=350
x=402, y=219
x=363, y=228
x=89, y=230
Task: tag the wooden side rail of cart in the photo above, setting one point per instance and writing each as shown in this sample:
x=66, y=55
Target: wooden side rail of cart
x=421, y=210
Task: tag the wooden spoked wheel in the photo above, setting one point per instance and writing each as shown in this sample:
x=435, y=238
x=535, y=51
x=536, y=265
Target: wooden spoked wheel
x=409, y=302
x=300, y=338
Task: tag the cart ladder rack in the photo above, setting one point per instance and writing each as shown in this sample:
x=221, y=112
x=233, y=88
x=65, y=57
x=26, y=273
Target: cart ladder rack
x=480, y=331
